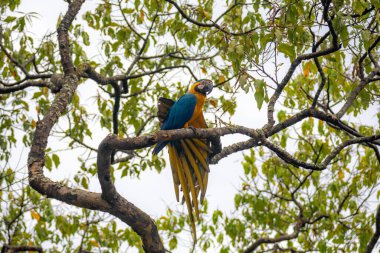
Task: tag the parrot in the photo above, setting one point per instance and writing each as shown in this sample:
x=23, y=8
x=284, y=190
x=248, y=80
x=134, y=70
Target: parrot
x=188, y=157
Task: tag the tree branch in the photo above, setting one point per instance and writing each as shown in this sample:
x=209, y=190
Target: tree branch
x=212, y=24
x=367, y=53
x=335, y=46
x=27, y=84
x=11, y=249
x=355, y=92
x=126, y=211
x=297, y=228
x=376, y=235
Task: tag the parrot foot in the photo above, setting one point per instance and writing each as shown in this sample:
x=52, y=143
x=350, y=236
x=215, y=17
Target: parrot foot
x=193, y=128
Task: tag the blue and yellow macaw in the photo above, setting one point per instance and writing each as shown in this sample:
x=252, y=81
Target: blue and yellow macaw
x=188, y=157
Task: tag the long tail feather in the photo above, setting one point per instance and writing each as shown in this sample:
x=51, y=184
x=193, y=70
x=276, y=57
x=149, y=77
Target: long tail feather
x=190, y=185
x=202, y=158
x=182, y=179
x=199, y=143
x=159, y=146
x=188, y=160
x=205, y=182
x=174, y=166
x=194, y=166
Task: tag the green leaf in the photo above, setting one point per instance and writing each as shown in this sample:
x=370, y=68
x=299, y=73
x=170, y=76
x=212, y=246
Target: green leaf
x=173, y=243
x=48, y=162
x=124, y=173
x=288, y=50
x=84, y=182
x=243, y=82
x=9, y=19
x=260, y=87
x=56, y=160
x=281, y=115
x=86, y=38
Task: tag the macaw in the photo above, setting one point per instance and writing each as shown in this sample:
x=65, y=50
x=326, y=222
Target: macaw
x=188, y=157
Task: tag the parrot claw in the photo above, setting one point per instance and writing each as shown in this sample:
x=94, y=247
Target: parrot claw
x=193, y=128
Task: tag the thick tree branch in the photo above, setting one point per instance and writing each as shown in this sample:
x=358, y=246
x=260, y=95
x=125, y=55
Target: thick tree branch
x=63, y=37
x=140, y=222
x=13, y=248
x=122, y=209
x=36, y=160
x=89, y=72
x=233, y=148
x=376, y=235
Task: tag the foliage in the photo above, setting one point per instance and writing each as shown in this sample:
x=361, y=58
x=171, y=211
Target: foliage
x=150, y=49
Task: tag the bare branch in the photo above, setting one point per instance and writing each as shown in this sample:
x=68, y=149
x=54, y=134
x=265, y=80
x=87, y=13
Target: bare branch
x=284, y=155
x=233, y=148
x=13, y=248
x=367, y=53
x=335, y=46
x=297, y=228
x=63, y=37
x=13, y=60
x=355, y=92
x=27, y=84
x=89, y=72
x=376, y=235
x=320, y=71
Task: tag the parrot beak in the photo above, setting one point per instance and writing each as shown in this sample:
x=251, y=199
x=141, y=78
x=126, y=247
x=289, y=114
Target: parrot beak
x=204, y=87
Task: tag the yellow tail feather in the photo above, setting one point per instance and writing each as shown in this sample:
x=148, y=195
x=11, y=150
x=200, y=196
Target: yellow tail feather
x=194, y=165
x=188, y=160
x=201, y=144
x=201, y=157
x=182, y=179
x=190, y=184
x=205, y=181
x=174, y=165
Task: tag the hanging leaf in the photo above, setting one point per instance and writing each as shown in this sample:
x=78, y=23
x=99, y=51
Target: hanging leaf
x=340, y=174
x=94, y=243
x=243, y=82
x=35, y=215
x=221, y=79
x=306, y=69
x=260, y=87
x=213, y=102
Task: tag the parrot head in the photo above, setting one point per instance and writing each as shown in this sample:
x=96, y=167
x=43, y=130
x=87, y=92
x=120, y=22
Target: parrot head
x=203, y=87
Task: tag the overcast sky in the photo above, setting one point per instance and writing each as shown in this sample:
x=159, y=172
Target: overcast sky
x=153, y=192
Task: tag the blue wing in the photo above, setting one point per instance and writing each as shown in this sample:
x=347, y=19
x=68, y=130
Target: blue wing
x=179, y=114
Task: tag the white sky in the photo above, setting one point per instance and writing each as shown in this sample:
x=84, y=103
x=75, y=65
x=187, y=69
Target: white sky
x=153, y=192
x=224, y=177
